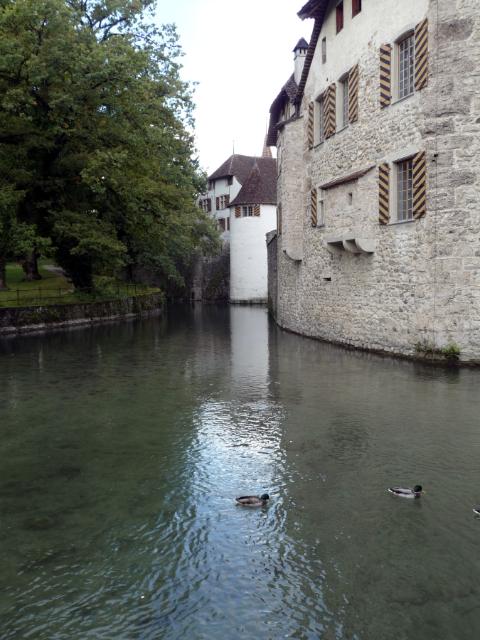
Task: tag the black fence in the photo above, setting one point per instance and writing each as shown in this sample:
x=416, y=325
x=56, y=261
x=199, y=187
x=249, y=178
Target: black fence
x=40, y=295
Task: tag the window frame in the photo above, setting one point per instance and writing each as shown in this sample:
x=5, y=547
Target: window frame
x=342, y=110
x=246, y=210
x=399, y=61
x=403, y=181
x=356, y=7
x=324, y=50
x=339, y=17
x=319, y=119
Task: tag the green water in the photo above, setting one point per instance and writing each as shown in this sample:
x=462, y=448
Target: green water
x=123, y=447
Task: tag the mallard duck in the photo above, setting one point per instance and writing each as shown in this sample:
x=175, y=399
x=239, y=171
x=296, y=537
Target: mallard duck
x=253, y=501
x=416, y=492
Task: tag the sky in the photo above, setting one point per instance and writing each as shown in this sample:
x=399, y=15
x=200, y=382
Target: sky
x=241, y=54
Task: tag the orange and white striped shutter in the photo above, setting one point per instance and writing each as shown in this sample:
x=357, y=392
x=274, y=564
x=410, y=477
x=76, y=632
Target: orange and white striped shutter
x=385, y=75
x=421, y=55
x=420, y=185
x=384, y=193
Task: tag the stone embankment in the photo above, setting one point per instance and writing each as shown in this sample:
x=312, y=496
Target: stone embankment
x=42, y=318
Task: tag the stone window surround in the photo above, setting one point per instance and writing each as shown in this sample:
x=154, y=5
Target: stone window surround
x=393, y=159
x=406, y=31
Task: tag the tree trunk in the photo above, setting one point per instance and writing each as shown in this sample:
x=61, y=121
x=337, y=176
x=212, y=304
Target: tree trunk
x=30, y=266
x=3, y=274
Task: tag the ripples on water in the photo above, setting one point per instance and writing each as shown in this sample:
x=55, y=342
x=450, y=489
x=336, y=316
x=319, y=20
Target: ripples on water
x=123, y=448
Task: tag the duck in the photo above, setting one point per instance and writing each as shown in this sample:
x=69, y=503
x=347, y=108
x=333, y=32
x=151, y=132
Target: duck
x=476, y=510
x=402, y=492
x=253, y=501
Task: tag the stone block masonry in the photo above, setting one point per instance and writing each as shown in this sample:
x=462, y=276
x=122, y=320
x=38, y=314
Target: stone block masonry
x=421, y=283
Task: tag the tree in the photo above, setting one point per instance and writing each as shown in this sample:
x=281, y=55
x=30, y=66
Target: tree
x=94, y=134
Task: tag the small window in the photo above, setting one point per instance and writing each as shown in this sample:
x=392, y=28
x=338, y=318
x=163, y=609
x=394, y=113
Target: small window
x=228, y=224
x=406, y=66
x=230, y=180
x=221, y=224
x=324, y=50
x=205, y=204
x=210, y=184
x=405, y=190
x=344, y=102
x=320, y=209
x=339, y=14
x=356, y=7
x=223, y=201
x=247, y=211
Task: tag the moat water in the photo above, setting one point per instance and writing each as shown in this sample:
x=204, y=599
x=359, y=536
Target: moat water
x=123, y=447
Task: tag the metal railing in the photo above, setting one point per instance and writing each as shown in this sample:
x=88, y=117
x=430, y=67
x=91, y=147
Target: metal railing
x=36, y=296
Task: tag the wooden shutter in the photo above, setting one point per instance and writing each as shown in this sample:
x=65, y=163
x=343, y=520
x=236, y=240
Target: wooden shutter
x=238, y=212
x=217, y=202
x=279, y=219
x=313, y=207
x=421, y=55
x=209, y=205
x=256, y=210
x=384, y=193
x=227, y=201
x=385, y=75
x=329, y=111
x=353, y=94
x=310, y=125
x=419, y=185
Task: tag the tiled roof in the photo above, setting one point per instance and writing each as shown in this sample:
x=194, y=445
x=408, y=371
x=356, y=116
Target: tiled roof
x=236, y=165
x=301, y=44
x=287, y=94
x=313, y=9
x=261, y=185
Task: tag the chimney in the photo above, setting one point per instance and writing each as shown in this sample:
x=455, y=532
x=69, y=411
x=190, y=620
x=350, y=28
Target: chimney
x=300, y=52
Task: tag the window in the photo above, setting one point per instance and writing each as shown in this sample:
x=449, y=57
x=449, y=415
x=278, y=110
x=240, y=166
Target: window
x=344, y=102
x=221, y=224
x=405, y=190
x=339, y=14
x=229, y=180
x=324, y=50
x=247, y=211
x=321, y=209
x=406, y=66
x=320, y=129
x=356, y=7
x=211, y=184
x=205, y=204
x=222, y=202
x=228, y=224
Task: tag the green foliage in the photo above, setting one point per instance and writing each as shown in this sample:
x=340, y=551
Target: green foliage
x=428, y=349
x=95, y=145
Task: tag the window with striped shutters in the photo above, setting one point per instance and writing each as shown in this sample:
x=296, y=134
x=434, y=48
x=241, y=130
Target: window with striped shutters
x=421, y=55
x=353, y=94
x=384, y=193
x=256, y=210
x=385, y=75
x=313, y=207
x=310, y=125
x=238, y=212
x=329, y=111
x=419, y=185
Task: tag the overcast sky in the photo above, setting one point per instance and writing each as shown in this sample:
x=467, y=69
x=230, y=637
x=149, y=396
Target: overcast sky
x=241, y=53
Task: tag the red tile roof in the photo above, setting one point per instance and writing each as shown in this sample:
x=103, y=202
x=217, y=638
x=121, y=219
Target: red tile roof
x=261, y=185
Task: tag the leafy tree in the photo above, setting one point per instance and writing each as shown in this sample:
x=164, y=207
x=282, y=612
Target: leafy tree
x=95, y=136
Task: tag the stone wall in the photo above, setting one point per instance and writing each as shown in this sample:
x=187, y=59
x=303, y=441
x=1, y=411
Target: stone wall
x=421, y=285
x=211, y=277
x=271, y=239
x=25, y=319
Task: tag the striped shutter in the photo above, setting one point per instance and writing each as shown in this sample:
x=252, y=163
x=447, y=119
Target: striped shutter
x=420, y=185
x=256, y=210
x=384, y=193
x=353, y=94
x=227, y=201
x=329, y=111
x=385, y=75
x=237, y=212
x=217, y=201
x=310, y=125
x=313, y=207
x=279, y=219
x=421, y=55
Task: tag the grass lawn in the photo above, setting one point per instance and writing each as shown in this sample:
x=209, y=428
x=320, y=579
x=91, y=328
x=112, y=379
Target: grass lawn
x=54, y=288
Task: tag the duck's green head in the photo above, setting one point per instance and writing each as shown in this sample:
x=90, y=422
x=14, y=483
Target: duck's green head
x=265, y=496
x=417, y=488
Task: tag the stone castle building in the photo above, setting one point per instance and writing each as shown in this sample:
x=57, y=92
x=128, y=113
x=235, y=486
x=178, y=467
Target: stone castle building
x=378, y=139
